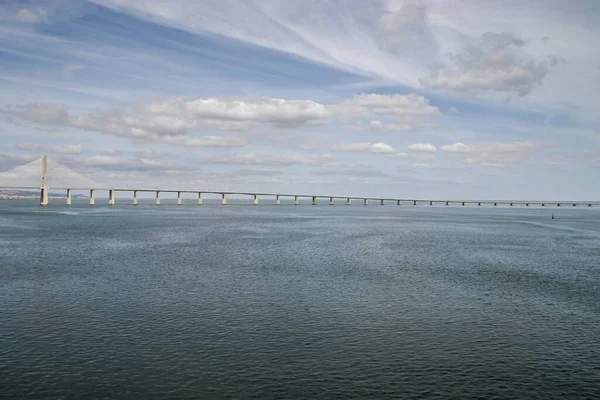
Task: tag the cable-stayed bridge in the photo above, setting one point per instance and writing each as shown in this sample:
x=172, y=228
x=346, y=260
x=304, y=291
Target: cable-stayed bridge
x=58, y=177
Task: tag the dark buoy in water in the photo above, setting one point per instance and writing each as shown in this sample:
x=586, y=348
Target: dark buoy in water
x=552, y=215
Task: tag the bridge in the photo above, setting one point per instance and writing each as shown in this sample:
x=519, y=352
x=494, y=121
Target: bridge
x=44, y=190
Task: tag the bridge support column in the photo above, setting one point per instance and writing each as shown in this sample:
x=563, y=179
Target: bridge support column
x=224, y=199
x=382, y=202
x=44, y=188
x=557, y=204
x=296, y=201
x=111, y=197
x=574, y=205
x=200, y=198
x=277, y=200
x=511, y=204
x=414, y=202
x=431, y=203
x=255, y=202
x=92, y=197
x=526, y=204
x=349, y=201
x=68, y=197
x=366, y=202
x=543, y=205
x=398, y=202
x=479, y=204
x=179, y=199
x=331, y=201
x=589, y=205
x=158, y=198
x=447, y=203
x=463, y=203
x=314, y=201
x=135, y=198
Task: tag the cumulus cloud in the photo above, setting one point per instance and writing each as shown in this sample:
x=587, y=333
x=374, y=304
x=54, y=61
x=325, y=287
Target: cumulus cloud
x=495, y=64
x=67, y=149
x=406, y=29
x=279, y=112
x=456, y=148
x=364, y=147
x=271, y=159
x=423, y=147
x=205, y=141
x=390, y=104
x=32, y=16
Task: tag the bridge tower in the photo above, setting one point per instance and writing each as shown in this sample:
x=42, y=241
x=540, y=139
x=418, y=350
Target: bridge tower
x=44, y=191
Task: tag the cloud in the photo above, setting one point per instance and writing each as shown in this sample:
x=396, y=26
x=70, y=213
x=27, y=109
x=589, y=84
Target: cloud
x=279, y=112
x=385, y=126
x=456, y=148
x=68, y=149
x=423, y=147
x=364, y=147
x=32, y=16
x=42, y=113
x=69, y=69
x=205, y=141
x=494, y=154
x=406, y=29
x=270, y=159
x=422, y=157
x=495, y=64
x=393, y=105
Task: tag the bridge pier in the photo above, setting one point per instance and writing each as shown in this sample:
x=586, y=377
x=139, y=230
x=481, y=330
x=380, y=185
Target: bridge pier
x=447, y=203
x=296, y=201
x=431, y=203
x=331, y=201
x=463, y=203
x=349, y=201
x=511, y=204
x=111, y=197
x=543, y=205
x=135, y=198
x=314, y=201
x=574, y=205
x=382, y=202
x=200, y=198
x=495, y=204
x=255, y=201
x=398, y=202
x=366, y=202
x=44, y=188
x=526, y=204
x=277, y=200
x=158, y=198
x=179, y=199
x=414, y=202
x=68, y=197
x=223, y=199
x=92, y=195
x=557, y=204
x=479, y=204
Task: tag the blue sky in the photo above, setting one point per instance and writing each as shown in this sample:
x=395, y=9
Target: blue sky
x=440, y=99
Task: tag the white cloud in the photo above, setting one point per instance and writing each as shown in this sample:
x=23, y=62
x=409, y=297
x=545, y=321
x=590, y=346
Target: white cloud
x=385, y=126
x=494, y=65
x=423, y=147
x=456, y=148
x=270, y=159
x=280, y=112
x=31, y=16
x=394, y=105
x=364, y=147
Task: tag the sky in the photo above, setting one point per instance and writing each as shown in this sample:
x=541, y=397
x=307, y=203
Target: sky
x=442, y=99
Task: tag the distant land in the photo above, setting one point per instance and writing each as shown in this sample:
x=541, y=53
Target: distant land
x=12, y=194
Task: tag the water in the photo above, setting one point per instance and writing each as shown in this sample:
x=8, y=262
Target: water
x=299, y=302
